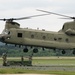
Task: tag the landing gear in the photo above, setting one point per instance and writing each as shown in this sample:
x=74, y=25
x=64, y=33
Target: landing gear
x=63, y=51
x=74, y=52
x=35, y=50
x=25, y=50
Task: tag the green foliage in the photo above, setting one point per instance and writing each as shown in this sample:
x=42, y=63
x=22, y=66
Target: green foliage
x=38, y=70
x=13, y=51
x=56, y=61
x=25, y=71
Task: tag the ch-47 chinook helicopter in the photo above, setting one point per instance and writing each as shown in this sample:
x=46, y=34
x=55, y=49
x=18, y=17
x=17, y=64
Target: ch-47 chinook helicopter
x=63, y=40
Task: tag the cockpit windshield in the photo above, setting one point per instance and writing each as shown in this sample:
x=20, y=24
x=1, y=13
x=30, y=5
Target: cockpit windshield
x=5, y=31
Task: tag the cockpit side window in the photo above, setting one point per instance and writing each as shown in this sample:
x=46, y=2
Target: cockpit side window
x=19, y=35
x=5, y=31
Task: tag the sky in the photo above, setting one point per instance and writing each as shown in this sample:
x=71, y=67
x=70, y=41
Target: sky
x=24, y=8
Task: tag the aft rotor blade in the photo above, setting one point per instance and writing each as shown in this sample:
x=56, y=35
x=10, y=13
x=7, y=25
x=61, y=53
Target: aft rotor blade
x=54, y=13
x=65, y=18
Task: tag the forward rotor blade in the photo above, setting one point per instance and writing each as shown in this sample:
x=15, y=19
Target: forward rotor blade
x=3, y=19
x=29, y=17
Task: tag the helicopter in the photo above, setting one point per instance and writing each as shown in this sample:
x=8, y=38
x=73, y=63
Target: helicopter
x=63, y=40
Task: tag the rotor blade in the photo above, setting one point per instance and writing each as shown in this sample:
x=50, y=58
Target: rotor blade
x=7, y=19
x=29, y=17
x=3, y=19
x=65, y=18
x=56, y=14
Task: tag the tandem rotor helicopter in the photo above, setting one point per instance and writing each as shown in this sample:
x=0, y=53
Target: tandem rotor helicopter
x=63, y=40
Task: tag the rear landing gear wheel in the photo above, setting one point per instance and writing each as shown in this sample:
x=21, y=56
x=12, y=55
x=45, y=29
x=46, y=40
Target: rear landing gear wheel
x=35, y=50
x=74, y=52
x=63, y=51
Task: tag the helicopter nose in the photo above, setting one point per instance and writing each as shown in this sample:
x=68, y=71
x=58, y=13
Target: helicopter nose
x=2, y=37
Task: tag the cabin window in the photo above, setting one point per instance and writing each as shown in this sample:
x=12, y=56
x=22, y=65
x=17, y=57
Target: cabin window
x=73, y=34
x=67, y=40
x=44, y=37
x=59, y=38
x=32, y=36
x=19, y=35
x=55, y=39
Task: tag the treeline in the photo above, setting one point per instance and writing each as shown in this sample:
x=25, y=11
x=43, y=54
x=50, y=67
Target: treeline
x=13, y=51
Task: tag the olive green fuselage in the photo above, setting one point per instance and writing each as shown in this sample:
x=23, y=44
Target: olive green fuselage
x=31, y=37
x=63, y=39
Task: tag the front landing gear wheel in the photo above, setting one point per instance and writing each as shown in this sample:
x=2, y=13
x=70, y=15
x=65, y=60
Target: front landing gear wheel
x=25, y=50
